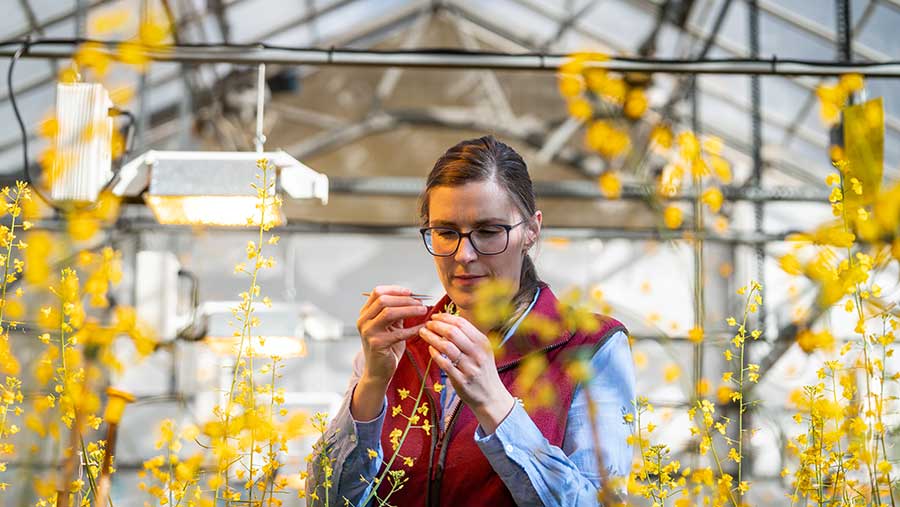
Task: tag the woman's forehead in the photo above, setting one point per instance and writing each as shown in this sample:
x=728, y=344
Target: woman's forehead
x=470, y=203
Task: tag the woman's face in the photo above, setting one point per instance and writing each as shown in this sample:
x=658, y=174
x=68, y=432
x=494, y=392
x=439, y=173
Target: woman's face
x=465, y=208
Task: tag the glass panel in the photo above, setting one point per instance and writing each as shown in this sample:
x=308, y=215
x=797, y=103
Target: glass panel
x=515, y=18
x=780, y=38
x=612, y=17
x=266, y=15
x=13, y=22
x=821, y=13
x=881, y=31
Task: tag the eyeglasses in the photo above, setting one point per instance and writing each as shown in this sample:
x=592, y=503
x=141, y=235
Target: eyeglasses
x=486, y=240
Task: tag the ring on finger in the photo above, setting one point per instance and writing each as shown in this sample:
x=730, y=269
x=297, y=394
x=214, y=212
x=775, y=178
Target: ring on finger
x=455, y=363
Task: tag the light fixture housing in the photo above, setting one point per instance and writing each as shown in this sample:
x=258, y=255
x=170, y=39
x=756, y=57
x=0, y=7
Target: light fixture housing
x=214, y=188
x=83, y=162
x=279, y=332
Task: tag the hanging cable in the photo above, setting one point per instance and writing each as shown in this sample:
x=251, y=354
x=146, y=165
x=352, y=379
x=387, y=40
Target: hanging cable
x=26, y=166
x=12, y=100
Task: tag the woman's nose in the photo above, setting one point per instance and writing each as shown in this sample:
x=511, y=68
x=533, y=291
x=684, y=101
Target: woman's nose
x=465, y=252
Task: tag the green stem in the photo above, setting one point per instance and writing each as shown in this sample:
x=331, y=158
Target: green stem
x=246, y=328
x=9, y=247
x=387, y=467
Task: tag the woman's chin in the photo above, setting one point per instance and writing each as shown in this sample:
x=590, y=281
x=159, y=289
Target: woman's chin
x=462, y=298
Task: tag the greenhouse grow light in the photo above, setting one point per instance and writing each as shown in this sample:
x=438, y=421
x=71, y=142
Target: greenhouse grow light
x=279, y=331
x=214, y=188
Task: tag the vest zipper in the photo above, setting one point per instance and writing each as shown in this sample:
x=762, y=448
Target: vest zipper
x=437, y=475
x=433, y=420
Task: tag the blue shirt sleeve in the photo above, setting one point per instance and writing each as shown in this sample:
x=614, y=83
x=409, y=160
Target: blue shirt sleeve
x=537, y=473
x=347, y=443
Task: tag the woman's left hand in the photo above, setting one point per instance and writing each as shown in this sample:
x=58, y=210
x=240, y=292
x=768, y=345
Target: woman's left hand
x=465, y=353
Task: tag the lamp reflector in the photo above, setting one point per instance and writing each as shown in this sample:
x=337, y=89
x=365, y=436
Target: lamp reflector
x=229, y=211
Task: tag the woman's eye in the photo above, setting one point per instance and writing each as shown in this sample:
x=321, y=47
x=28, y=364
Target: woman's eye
x=444, y=234
x=488, y=231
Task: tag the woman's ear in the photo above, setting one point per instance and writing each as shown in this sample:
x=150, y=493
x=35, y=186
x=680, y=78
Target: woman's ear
x=533, y=230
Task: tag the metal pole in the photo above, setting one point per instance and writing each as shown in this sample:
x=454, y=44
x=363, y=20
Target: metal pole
x=254, y=55
x=260, y=139
x=844, y=34
x=758, y=209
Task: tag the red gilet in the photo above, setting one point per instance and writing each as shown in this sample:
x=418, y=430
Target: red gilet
x=449, y=469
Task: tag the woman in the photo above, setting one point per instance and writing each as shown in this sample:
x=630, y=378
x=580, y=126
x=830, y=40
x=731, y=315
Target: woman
x=480, y=221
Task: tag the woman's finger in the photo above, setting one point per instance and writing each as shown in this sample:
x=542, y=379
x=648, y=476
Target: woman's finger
x=464, y=325
x=455, y=334
x=379, y=303
x=453, y=372
x=449, y=350
x=405, y=333
x=395, y=314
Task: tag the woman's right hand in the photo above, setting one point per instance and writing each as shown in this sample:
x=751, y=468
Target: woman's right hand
x=380, y=326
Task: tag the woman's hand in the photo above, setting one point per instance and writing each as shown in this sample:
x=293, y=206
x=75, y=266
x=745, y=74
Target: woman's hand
x=465, y=353
x=380, y=327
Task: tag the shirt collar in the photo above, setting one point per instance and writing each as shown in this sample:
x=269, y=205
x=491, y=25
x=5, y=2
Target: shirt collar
x=515, y=326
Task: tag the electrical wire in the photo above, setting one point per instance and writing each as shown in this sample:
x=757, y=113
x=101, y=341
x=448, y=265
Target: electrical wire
x=29, y=178
x=12, y=100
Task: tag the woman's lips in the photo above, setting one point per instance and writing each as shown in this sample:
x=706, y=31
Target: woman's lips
x=467, y=279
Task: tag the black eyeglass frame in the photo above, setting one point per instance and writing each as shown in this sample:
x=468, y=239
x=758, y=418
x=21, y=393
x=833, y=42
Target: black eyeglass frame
x=424, y=230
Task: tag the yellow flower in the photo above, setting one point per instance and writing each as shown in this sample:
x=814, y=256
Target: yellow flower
x=635, y=104
x=610, y=185
x=790, y=264
x=640, y=360
x=712, y=197
x=661, y=136
x=695, y=334
x=721, y=168
x=672, y=216
x=852, y=82
x=607, y=139
x=438, y=387
x=671, y=373
x=703, y=387
x=404, y=393
x=372, y=453
x=580, y=108
x=571, y=85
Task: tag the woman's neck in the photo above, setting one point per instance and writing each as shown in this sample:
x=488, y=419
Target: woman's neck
x=470, y=316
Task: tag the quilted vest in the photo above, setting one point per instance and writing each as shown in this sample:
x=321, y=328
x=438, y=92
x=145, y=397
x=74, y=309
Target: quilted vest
x=448, y=467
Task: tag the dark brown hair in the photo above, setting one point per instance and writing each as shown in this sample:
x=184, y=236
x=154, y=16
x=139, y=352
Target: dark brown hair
x=487, y=159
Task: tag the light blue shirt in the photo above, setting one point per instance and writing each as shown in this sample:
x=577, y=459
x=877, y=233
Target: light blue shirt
x=535, y=472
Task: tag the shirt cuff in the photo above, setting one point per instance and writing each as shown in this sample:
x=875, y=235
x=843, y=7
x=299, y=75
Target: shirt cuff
x=365, y=432
x=513, y=439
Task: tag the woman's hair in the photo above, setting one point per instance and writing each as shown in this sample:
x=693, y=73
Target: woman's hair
x=487, y=159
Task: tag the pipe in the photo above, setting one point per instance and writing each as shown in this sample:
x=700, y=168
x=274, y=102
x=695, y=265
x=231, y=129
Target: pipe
x=256, y=54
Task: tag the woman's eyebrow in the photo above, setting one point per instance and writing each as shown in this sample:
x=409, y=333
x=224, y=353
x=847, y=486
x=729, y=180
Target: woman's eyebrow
x=484, y=221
